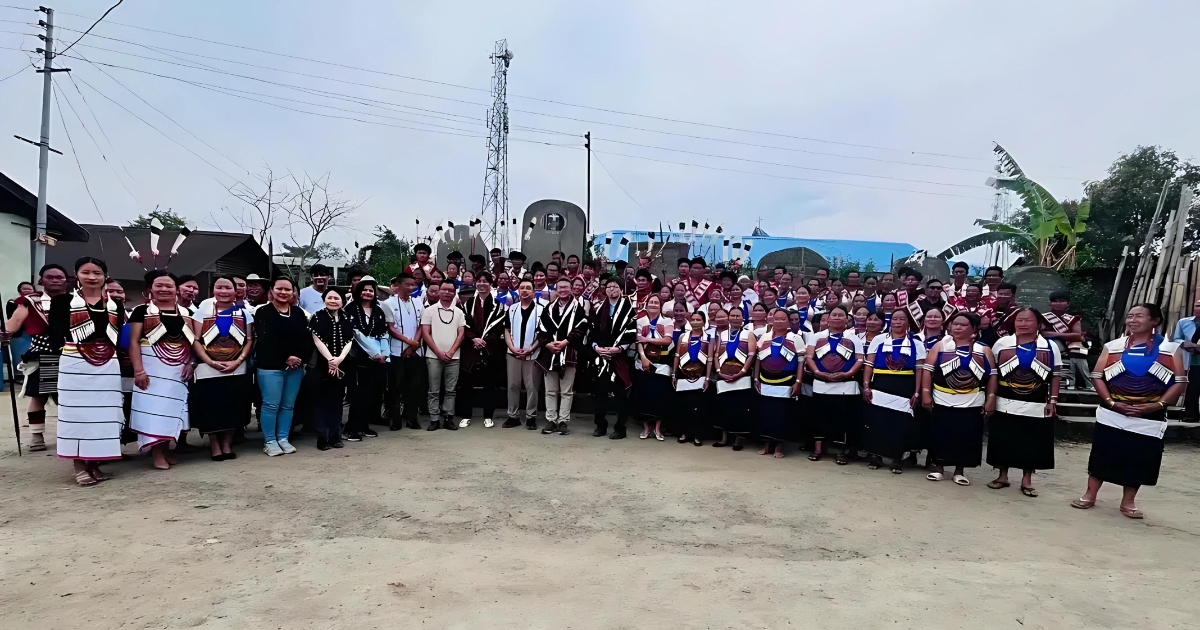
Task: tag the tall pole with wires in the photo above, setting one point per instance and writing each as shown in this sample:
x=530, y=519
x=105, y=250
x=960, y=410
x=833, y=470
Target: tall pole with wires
x=495, y=176
x=48, y=69
x=587, y=144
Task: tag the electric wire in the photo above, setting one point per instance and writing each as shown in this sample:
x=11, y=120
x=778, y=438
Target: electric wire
x=74, y=153
x=614, y=180
x=89, y=29
x=552, y=101
x=96, y=144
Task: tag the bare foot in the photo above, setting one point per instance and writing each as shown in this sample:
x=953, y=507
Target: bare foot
x=766, y=450
x=779, y=452
x=167, y=455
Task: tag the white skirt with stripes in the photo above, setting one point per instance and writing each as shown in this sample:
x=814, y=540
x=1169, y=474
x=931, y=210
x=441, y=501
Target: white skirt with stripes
x=90, y=414
x=159, y=412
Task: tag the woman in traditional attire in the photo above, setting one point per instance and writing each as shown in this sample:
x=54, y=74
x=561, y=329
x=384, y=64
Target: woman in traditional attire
x=758, y=324
x=777, y=375
x=835, y=356
x=874, y=328
x=86, y=325
x=887, y=306
x=161, y=331
x=219, y=400
x=652, y=394
x=960, y=389
x=1136, y=377
x=369, y=357
x=1021, y=432
x=690, y=378
x=733, y=353
x=930, y=333
x=890, y=388
x=333, y=336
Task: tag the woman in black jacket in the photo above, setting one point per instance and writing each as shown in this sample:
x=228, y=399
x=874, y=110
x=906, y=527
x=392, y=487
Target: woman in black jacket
x=333, y=335
x=369, y=357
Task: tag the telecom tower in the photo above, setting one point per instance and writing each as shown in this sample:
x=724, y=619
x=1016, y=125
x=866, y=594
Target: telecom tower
x=495, y=177
x=998, y=253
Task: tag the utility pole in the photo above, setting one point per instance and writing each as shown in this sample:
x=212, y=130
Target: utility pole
x=587, y=144
x=40, y=238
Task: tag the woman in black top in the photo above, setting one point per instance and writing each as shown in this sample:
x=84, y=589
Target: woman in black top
x=86, y=324
x=369, y=359
x=333, y=335
x=282, y=339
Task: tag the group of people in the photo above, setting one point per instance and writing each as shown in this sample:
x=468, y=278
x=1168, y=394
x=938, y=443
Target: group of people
x=871, y=367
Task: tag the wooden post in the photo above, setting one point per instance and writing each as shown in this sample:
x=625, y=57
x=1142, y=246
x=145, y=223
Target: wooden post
x=1140, y=278
x=1112, y=297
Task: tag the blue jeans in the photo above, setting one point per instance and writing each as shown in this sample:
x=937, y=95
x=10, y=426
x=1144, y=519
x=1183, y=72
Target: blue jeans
x=279, y=389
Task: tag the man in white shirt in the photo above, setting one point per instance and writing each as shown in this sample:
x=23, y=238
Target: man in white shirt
x=443, y=327
x=311, y=299
x=406, y=366
x=521, y=337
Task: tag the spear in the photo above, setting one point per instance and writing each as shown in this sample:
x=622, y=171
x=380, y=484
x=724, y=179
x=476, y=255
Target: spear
x=12, y=390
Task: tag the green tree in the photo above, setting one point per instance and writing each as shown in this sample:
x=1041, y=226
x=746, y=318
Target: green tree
x=388, y=256
x=1045, y=228
x=168, y=218
x=1123, y=202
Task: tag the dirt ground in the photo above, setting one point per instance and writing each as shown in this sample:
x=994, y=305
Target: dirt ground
x=507, y=528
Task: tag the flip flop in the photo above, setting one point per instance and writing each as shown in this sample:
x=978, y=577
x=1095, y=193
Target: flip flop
x=935, y=476
x=1082, y=503
x=998, y=485
x=961, y=480
x=1029, y=492
x=815, y=457
x=85, y=478
x=1133, y=513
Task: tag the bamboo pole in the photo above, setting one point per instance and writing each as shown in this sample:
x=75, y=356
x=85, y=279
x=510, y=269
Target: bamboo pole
x=1165, y=249
x=1107, y=324
x=1144, y=255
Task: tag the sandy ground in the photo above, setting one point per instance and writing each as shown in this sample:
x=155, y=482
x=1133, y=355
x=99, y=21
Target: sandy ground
x=512, y=529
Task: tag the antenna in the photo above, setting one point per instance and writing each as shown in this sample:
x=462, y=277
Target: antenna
x=495, y=176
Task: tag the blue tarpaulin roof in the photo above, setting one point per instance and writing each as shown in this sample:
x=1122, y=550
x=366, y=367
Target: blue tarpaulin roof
x=712, y=246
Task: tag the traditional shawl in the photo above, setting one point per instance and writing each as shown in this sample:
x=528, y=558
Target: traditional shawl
x=154, y=328
x=896, y=354
x=81, y=325
x=559, y=323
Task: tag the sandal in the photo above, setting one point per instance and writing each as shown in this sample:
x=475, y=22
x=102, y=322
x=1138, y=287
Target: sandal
x=85, y=478
x=874, y=465
x=682, y=439
x=737, y=445
x=815, y=457
x=962, y=480
x=1082, y=503
x=1028, y=491
x=935, y=476
x=719, y=444
x=998, y=485
x=658, y=436
x=896, y=470
x=1133, y=513
x=841, y=460
x=643, y=435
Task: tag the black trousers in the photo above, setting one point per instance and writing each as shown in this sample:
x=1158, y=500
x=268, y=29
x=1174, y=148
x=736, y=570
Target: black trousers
x=601, y=393
x=406, y=387
x=1191, y=399
x=326, y=396
x=481, y=388
x=365, y=391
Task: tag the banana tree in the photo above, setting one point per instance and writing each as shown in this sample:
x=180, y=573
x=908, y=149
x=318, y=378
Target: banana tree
x=1051, y=232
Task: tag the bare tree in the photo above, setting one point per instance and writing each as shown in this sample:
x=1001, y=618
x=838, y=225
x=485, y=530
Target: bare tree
x=262, y=206
x=313, y=212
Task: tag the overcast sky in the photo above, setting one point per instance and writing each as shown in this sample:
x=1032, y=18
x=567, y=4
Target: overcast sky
x=1065, y=86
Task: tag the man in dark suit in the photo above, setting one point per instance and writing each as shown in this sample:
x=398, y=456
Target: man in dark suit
x=613, y=333
x=482, y=373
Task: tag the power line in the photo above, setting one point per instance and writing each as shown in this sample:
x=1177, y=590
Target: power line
x=96, y=144
x=803, y=168
x=799, y=179
x=89, y=29
x=533, y=129
x=160, y=131
x=614, y=180
x=75, y=154
x=552, y=101
x=164, y=50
